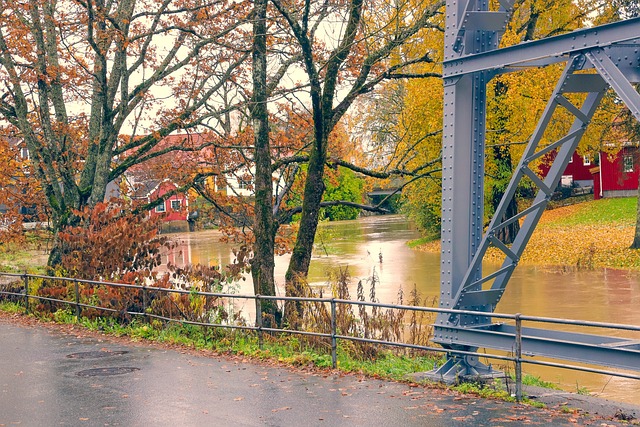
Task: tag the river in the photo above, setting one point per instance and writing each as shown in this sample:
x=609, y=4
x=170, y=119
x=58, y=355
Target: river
x=379, y=244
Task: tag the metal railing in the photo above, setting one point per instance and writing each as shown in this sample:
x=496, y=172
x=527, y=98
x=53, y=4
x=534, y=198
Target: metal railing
x=516, y=356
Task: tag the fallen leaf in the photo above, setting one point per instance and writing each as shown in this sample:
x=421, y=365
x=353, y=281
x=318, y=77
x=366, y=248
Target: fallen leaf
x=284, y=408
x=239, y=398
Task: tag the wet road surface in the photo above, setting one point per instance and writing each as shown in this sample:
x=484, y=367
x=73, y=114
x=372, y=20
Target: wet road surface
x=49, y=377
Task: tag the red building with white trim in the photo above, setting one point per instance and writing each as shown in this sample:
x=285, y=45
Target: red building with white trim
x=618, y=173
x=577, y=173
x=174, y=208
x=612, y=175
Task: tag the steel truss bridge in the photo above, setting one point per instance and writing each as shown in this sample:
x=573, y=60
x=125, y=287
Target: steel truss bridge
x=596, y=59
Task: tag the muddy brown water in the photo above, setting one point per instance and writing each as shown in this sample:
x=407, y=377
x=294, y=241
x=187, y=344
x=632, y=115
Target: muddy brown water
x=379, y=245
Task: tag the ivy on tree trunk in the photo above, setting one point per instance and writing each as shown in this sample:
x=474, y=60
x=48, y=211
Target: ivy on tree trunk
x=262, y=266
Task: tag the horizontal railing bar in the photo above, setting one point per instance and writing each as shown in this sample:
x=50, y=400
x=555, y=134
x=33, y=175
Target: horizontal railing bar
x=13, y=274
x=292, y=331
x=580, y=323
x=580, y=368
x=195, y=323
x=15, y=294
x=342, y=301
x=96, y=307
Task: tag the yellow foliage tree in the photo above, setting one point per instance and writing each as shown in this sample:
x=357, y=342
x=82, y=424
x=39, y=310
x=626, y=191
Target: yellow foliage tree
x=515, y=102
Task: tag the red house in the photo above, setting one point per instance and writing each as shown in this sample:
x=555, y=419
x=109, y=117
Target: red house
x=611, y=175
x=577, y=173
x=174, y=208
x=617, y=175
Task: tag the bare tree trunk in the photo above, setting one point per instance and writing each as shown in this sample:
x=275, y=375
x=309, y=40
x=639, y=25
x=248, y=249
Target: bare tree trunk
x=504, y=169
x=262, y=268
x=298, y=269
x=502, y=157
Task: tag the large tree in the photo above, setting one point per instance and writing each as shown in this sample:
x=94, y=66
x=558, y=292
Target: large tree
x=346, y=50
x=78, y=75
x=264, y=227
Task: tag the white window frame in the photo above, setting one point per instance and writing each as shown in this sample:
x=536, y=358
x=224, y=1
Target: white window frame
x=627, y=163
x=244, y=184
x=178, y=202
x=586, y=160
x=161, y=208
x=566, y=180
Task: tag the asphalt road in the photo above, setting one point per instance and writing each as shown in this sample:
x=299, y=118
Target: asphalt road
x=53, y=377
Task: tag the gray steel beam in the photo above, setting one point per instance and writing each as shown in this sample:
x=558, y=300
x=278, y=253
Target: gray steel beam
x=470, y=21
x=462, y=181
x=616, y=78
x=470, y=294
x=597, y=349
x=552, y=179
x=462, y=153
x=472, y=36
x=545, y=51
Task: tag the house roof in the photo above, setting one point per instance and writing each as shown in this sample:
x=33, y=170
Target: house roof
x=143, y=189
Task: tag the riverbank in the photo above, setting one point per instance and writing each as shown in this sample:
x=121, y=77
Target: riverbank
x=589, y=235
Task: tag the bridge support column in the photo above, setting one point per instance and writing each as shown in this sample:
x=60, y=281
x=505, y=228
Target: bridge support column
x=597, y=58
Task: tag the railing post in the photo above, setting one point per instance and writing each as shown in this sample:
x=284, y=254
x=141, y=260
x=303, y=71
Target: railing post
x=77, y=289
x=518, y=357
x=334, y=341
x=145, y=303
x=26, y=292
x=259, y=321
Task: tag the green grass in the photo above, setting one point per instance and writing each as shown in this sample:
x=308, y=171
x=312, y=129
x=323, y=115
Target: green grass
x=423, y=240
x=603, y=211
x=386, y=364
x=532, y=380
x=495, y=390
x=11, y=307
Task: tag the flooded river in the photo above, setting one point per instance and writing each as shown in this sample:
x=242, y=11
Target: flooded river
x=378, y=244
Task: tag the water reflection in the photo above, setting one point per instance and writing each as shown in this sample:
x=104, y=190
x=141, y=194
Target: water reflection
x=378, y=245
